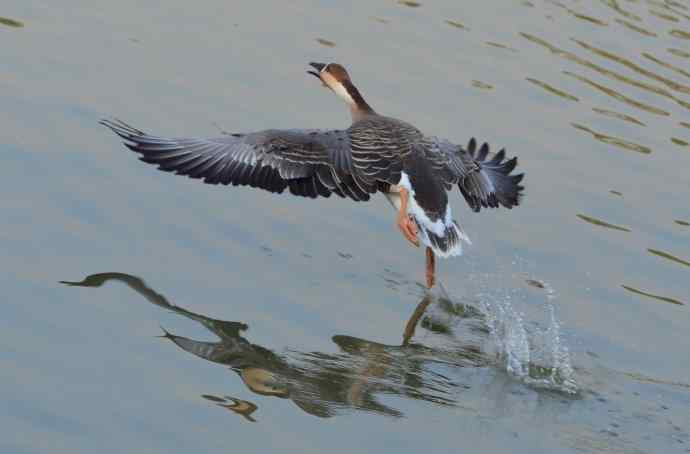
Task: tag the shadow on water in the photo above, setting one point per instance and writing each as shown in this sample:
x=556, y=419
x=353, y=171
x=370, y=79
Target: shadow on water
x=326, y=384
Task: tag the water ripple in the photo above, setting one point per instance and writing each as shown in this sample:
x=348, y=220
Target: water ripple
x=610, y=140
x=606, y=72
x=578, y=15
x=325, y=42
x=665, y=299
x=500, y=46
x=600, y=223
x=614, y=94
x=666, y=65
x=11, y=22
x=482, y=85
x=456, y=24
x=552, y=89
x=663, y=16
x=409, y=3
x=635, y=67
x=668, y=256
x=617, y=115
x=682, y=34
x=615, y=6
x=636, y=28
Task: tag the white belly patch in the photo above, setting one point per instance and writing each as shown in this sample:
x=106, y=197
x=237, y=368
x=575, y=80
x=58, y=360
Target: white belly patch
x=438, y=227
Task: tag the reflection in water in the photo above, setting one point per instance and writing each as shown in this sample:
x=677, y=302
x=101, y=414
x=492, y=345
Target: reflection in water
x=615, y=95
x=482, y=85
x=241, y=407
x=620, y=143
x=619, y=116
x=637, y=68
x=584, y=17
x=666, y=65
x=535, y=283
x=10, y=22
x=679, y=53
x=319, y=383
x=615, y=5
x=653, y=296
x=603, y=71
x=409, y=3
x=456, y=24
x=601, y=223
x=644, y=379
x=636, y=28
x=663, y=16
x=324, y=384
x=682, y=34
x=551, y=89
x=500, y=46
x=668, y=256
x=325, y=42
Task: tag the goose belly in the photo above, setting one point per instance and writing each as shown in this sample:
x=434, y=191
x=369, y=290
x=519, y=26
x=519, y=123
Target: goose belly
x=443, y=235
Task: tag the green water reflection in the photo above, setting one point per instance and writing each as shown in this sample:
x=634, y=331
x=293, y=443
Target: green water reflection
x=664, y=299
x=10, y=22
x=598, y=222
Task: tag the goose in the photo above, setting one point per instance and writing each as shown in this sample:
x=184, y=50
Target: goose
x=376, y=153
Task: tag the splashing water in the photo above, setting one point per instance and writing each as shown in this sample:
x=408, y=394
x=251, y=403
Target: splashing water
x=535, y=355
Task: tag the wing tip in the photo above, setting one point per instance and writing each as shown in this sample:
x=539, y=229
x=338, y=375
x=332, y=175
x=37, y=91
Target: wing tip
x=506, y=190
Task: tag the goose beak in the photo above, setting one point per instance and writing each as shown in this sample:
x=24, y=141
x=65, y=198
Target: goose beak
x=318, y=67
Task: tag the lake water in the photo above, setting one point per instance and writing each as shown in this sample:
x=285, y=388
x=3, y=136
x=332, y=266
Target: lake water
x=563, y=328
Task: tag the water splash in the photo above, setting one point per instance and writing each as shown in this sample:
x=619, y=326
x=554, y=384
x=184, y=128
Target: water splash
x=551, y=368
x=534, y=354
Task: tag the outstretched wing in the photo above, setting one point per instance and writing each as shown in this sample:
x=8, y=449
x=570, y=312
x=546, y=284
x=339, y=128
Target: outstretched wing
x=482, y=181
x=310, y=163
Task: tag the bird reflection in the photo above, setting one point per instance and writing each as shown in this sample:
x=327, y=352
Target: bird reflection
x=321, y=384
x=241, y=407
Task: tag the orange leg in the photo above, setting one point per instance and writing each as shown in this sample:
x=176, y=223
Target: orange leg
x=406, y=224
x=430, y=267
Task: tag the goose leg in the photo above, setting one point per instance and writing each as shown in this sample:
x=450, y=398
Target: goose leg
x=405, y=222
x=430, y=267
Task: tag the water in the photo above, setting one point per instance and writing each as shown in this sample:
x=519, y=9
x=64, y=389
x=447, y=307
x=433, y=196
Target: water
x=562, y=329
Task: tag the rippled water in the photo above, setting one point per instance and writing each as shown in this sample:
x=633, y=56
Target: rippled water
x=304, y=324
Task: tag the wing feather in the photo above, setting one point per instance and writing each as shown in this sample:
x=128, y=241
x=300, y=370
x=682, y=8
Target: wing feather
x=483, y=183
x=310, y=163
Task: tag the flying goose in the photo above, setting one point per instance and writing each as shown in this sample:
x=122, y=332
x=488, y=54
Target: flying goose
x=375, y=154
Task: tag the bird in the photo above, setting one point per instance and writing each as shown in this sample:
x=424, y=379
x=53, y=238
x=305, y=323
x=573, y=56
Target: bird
x=375, y=154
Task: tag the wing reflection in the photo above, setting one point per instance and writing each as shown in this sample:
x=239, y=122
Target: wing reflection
x=324, y=384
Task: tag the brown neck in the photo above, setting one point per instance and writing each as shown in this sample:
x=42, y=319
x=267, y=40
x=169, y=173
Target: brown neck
x=360, y=108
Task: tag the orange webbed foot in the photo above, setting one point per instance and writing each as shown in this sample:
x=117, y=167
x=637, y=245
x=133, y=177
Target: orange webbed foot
x=408, y=227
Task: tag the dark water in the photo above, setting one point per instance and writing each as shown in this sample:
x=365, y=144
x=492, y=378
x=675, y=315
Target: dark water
x=289, y=323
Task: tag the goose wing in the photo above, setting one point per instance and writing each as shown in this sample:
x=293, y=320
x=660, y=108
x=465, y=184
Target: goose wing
x=308, y=162
x=484, y=179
